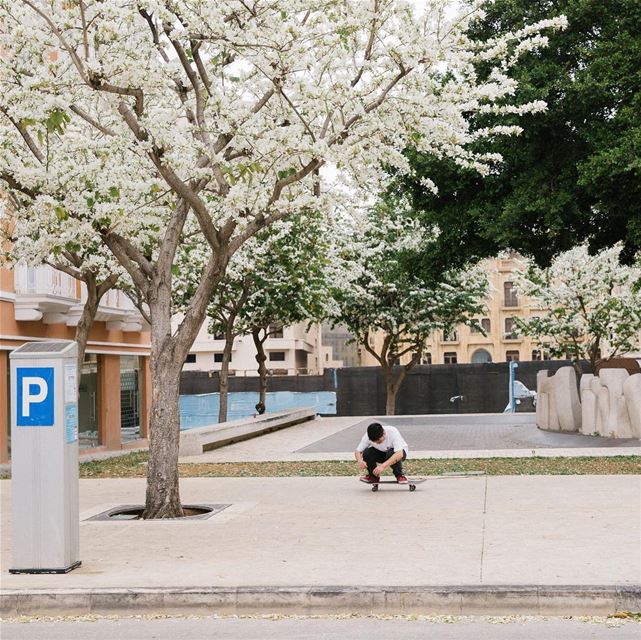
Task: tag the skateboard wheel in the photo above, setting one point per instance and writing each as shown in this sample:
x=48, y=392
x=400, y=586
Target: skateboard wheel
x=412, y=487
x=375, y=487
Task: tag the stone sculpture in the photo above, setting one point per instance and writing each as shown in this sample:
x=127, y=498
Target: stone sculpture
x=609, y=404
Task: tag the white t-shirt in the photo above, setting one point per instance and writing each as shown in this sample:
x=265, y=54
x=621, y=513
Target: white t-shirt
x=393, y=440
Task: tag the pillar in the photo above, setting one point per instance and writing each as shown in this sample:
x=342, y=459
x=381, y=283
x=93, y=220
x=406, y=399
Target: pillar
x=109, y=393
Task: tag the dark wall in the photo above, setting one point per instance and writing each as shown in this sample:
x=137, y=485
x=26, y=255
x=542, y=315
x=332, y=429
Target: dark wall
x=428, y=388
x=201, y=382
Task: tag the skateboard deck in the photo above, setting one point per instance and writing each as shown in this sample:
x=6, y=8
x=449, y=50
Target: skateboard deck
x=411, y=483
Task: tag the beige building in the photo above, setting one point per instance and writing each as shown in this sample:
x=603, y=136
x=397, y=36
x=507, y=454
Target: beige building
x=501, y=344
x=293, y=350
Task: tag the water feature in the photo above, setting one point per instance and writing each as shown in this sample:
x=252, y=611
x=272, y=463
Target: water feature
x=199, y=410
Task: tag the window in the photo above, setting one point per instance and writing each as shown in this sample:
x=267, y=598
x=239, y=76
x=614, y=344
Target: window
x=450, y=336
x=510, y=329
x=485, y=324
x=449, y=357
x=275, y=331
x=191, y=357
x=277, y=356
x=536, y=354
x=511, y=356
x=427, y=358
x=510, y=297
x=481, y=356
x=218, y=357
x=219, y=336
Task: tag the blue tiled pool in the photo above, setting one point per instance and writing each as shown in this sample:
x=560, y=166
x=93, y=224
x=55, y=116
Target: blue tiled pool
x=201, y=410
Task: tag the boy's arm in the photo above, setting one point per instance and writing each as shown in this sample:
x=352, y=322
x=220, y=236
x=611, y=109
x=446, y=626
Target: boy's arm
x=398, y=455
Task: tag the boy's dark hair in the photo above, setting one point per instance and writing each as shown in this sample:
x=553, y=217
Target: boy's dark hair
x=375, y=431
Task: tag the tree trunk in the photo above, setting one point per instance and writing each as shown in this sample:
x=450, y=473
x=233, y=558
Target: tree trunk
x=168, y=353
x=85, y=323
x=392, y=385
x=391, y=389
x=95, y=294
x=262, y=369
x=224, y=376
x=163, y=496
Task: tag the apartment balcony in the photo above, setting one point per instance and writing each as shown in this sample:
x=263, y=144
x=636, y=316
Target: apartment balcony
x=43, y=293
x=48, y=295
x=511, y=337
x=285, y=344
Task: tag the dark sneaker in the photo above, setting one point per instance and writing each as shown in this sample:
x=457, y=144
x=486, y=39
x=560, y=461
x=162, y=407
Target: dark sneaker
x=401, y=479
x=370, y=478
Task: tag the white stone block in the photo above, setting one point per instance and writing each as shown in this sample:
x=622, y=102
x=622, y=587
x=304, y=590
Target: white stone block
x=566, y=398
x=616, y=422
x=632, y=395
x=588, y=405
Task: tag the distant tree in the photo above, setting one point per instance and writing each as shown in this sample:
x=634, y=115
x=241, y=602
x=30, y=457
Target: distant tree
x=288, y=281
x=380, y=294
x=587, y=307
x=279, y=278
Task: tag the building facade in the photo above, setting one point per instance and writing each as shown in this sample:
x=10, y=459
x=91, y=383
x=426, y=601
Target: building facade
x=292, y=350
x=500, y=342
x=41, y=303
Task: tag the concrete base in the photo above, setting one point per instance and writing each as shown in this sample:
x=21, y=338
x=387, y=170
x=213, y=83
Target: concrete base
x=402, y=600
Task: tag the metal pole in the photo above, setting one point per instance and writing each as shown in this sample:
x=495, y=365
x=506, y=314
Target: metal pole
x=513, y=366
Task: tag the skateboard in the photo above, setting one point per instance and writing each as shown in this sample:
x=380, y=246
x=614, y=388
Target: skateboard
x=411, y=483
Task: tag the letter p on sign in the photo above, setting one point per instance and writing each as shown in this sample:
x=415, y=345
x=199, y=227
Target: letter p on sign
x=35, y=401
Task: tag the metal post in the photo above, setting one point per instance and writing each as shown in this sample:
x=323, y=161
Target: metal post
x=513, y=365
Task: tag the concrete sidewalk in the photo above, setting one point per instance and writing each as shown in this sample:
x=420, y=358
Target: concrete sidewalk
x=532, y=544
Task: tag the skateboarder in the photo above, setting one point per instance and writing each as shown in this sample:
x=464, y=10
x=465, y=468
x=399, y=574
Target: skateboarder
x=379, y=448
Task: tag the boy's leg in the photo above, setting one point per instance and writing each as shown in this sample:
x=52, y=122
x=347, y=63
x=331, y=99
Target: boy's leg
x=398, y=467
x=372, y=457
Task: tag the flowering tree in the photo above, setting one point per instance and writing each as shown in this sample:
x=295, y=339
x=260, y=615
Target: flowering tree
x=280, y=278
x=229, y=110
x=381, y=293
x=589, y=306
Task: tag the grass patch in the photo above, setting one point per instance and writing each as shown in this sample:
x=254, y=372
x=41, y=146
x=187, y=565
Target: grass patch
x=133, y=465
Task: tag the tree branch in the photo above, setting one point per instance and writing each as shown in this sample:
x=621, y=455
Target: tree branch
x=29, y=141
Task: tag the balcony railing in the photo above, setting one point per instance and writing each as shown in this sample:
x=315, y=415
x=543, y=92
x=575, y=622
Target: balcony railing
x=43, y=280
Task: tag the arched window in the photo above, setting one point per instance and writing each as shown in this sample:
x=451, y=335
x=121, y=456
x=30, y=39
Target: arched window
x=481, y=356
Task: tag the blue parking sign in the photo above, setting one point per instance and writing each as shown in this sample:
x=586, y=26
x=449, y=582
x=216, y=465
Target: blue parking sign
x=34, y=406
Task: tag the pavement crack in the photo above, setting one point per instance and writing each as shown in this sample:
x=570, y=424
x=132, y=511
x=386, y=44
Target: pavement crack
x=483, y=532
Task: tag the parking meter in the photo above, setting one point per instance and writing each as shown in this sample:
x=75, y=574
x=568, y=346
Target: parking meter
x=44, y=458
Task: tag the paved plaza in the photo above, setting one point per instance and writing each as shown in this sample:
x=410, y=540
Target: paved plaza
x=532, y=544
x=300, y=532
x=467, y=432
x=446, y=436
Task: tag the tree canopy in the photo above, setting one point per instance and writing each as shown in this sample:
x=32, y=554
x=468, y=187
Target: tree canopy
x=574, y=174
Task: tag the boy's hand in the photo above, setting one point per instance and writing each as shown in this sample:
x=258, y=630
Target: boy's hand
x=378, y=470
x=362, y=464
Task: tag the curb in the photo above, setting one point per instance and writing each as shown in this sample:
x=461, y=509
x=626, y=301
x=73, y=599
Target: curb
x=435, y=600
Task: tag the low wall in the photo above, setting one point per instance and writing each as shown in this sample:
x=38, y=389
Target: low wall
x=428, y=388
x=195, y=441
